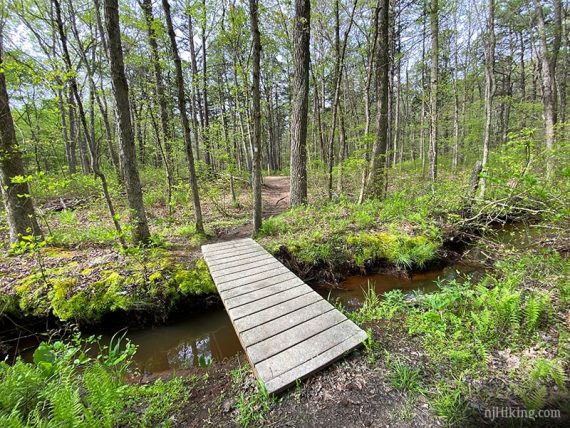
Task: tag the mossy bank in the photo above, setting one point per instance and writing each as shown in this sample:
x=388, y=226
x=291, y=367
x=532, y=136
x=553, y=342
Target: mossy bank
x=87, y=288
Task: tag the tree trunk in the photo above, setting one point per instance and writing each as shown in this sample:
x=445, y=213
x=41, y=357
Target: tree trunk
x=367, y=104
x=548, y=59
x=489, y=91
x=18, y=202
x=91, y=144
x=256, y=114
x=375, y=185
x=158, y=80
x=184, y=118
x=206, y=130
x=141, y=233
x=434, y=24
x=339, y=67
x=300, y=90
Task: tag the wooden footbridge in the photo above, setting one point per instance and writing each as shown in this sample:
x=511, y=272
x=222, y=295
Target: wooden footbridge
x=287, y=330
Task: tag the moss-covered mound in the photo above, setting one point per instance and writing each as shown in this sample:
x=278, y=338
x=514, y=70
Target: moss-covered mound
x=346, y=232
x=84, y=290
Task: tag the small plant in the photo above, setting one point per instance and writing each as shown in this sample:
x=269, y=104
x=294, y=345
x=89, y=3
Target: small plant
x=448, y=402
x=254, y=408
x=403, y=376
x=239, y=374
x=534, y=392
x=370, y=347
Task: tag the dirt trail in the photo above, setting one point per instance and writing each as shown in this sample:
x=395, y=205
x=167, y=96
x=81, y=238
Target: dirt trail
x=275, y=196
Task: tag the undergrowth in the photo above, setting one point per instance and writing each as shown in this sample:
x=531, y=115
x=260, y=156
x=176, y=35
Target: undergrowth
x=344, y=231
x=63, y=387
x=466, y=326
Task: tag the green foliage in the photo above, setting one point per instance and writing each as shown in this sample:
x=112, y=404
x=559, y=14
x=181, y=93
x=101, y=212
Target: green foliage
x=65, y=387
x=534, y=391
x=449, y=403
x=195, y=281
x=394, y=230
x=375, y=307
x=403, y=376
x=252, y=408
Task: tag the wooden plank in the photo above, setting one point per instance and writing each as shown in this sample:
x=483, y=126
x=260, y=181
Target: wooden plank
x=250, y=279
x=316, y=363
x=224, y=258
x=267, y=302
x=219, y=249
x=289, y=338
x=285, y=322
x=288, y=331
x=228, y=244
x=222, y=276
x=240, y=261
x=230, y=252
x=267, y=282
x=274, y=312
x=305, y=351
x=233, y=302
x=245, y=266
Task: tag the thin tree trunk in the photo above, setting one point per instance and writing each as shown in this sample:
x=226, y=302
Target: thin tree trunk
x=184, y=118
x=489, y=91
x=548, y=60
x=206, y=130
x=375, y=182
x=141, y=233
x=433, y=135
x=83, y=119
x=339, y=67
x=367, y=104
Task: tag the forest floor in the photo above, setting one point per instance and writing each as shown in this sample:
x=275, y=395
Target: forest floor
x=442, y=359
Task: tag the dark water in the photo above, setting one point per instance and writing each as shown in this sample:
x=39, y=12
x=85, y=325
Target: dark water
x=211, y=337
x=207, y=337
x=351, y=291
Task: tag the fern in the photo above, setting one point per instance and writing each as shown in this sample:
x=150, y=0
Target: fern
x=103, y=395
x=535, y=398
x=544, y=369
x=532, y=312
x=65, y=402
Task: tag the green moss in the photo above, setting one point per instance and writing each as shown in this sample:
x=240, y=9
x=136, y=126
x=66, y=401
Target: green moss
x=31, y=292
x=394, y=230
x=195, y=281
x=89, y=305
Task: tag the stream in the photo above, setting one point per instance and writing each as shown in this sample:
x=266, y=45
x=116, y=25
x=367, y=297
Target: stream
x=209, y=337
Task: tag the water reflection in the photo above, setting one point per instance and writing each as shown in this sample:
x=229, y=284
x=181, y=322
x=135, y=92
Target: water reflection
x=205, y=337
x=351, y=291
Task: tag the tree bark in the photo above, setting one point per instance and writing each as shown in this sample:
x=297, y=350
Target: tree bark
x=146, y=6
x=18, y=202
x=141, y=233
x=184, y=118
x=375, y=185
x=548, y=59
x=300, y=90
x=256, y=114
x=489, y=91
x=434, y=75
x=91, y=144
